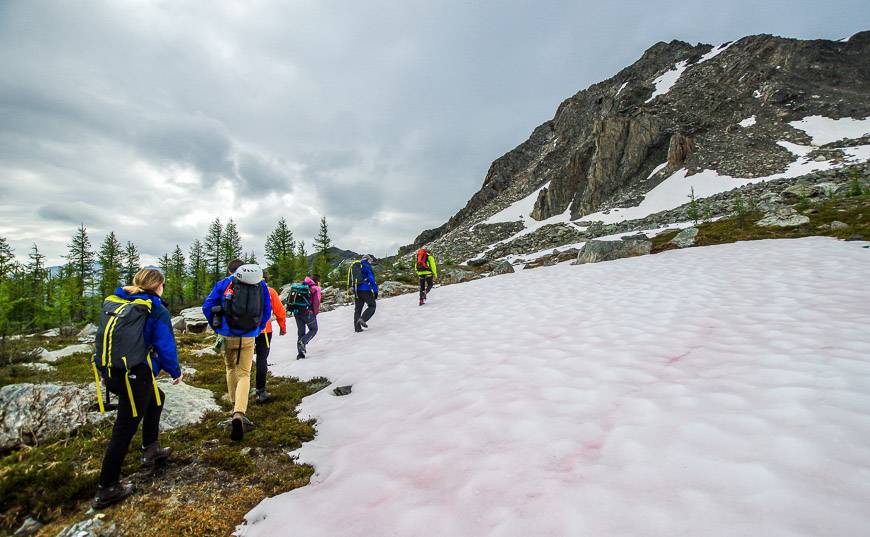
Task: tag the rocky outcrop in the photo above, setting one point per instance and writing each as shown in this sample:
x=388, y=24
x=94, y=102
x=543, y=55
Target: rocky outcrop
x=685, y=238
x=97, y=526
x=785, y=217
x=453, y=275
x=87, y=334
x=194, y=320
x=502, y=267
x=388, y=289
x=679, y=150
x=184, y=404
x=53, y=356
x=596, y=251
x=32, y=413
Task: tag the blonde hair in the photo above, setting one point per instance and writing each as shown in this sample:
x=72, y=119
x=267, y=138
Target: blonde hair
x=147, y=279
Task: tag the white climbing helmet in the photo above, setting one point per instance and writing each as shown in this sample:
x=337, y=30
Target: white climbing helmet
x=251, y=274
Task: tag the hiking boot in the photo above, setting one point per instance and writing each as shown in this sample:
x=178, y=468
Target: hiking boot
x=247, y=424
x=237, y=431
x=300, y=346
x=363, y=324
x=154, y=455
x=263, y=396
x=422, y=301
x=300, y=356
x=112, y=494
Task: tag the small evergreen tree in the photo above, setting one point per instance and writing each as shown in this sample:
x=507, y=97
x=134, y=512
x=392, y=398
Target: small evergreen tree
x=132, y=264
x=280, y=253
x=694, y=211
x=301, y=261
x=111, y=258
x=197, y=272
x=175, y=279
x=740, y=209
x=231, y=245
x=7, y=259
x=322, y=244
x=80, y=259
x=213, y=252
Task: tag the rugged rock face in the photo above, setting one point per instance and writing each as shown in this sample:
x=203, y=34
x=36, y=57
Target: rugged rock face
x=194, y=320
x=610, y=144
x=31, y=413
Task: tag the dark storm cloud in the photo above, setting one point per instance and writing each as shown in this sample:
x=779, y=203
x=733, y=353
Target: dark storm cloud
x=384, y=116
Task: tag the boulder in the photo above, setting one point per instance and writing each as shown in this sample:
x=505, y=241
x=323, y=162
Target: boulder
x=38, y=366
x=184, y=404
x=194, y=320
x=31, y=413
x=54, y=332
x=53, y=356
x=685, y=238
x=785, y=217
x=502, y=267
x=91, y=527
x=88, y=333
x=836, y=225
x=178, y=323
x=30, y=527
x=596, y=251
x=456, y=275
x=390, y=288
x=332, y=297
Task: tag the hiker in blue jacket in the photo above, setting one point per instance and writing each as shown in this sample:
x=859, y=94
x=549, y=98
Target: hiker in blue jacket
x=139, y=398
x=235, y=311
x=361, y=281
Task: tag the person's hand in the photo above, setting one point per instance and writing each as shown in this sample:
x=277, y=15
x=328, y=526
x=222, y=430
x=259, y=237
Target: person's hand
x=283, y=332
x=178, y=379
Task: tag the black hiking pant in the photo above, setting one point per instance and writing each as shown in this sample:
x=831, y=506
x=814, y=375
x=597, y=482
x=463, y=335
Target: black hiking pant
x=363, y=298
x=426, y=284
x=306, y=321
x=261, y=349
x=142, y=387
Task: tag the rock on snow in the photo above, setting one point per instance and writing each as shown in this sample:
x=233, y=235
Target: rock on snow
x=708, y=391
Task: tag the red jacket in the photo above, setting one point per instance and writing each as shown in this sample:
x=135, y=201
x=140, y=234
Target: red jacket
x=277, y=310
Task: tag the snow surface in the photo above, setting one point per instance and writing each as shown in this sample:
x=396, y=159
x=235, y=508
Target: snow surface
x=824, y=130
x=748, y=122
x=518, y=210
x=714, y=391
x=622, y=87
x=715, y=51
x=666, y=81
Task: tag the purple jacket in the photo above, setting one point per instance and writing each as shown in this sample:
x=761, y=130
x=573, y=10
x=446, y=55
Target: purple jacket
x=315, y=294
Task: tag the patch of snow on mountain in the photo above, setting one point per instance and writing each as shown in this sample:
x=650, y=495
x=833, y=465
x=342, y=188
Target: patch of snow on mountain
x=824, y=130
x=715, y=51
x=519, y=210
x=748, y=122
x=622, y=87
x=664, y=82
x=713, y=391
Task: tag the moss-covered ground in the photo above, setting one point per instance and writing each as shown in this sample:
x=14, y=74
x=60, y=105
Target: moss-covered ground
x=205, y=488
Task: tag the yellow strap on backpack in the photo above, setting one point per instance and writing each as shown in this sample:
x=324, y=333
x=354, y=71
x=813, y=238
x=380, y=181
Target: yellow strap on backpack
x=154, y=380
x=99, y=391
x=129, y=387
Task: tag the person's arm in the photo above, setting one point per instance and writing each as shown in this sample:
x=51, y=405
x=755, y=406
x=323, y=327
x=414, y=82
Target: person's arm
x=213, y=299
x=433, y=266
x=372, y=281
x=163, y=340
x=267, y=307
x=279, y=310
x=315, y=299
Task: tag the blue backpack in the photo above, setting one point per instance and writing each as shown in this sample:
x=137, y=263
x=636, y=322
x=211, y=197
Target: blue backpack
x=299, y=299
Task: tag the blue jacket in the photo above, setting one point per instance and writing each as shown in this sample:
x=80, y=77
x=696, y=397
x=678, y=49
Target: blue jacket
x=367, y=283
x=215, y=298
x=159, y=336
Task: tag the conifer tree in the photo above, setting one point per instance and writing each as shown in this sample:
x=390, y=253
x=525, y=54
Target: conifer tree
x=251, y=258
x=111, y=258
x=280, y=248
x=131, y=264
x=197, y=272
x=7, y=259
x=300, y=262
x=231, y=245
x=175, y=277
x=322, y=244
x=80, y=260
x=213, y=251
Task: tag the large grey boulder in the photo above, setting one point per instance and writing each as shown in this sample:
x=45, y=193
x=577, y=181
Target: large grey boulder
x=31, y=413
x=456, y=275
x=332, y=297
x=502, y=267
x=54, y=332
x=178, y=323
x=194, y=320
x=88, y=333
x=184, y=404
x=596, y=251
x=391, y=288
x=685, y=238
x=53, y=356
x=785, y=217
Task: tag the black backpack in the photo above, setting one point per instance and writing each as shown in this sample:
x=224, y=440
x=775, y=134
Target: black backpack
x=242, y=305
x=120, y=340
x=355, y=275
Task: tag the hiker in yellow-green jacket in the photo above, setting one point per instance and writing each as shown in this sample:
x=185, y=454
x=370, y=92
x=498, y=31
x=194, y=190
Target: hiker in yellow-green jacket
x=427, y=270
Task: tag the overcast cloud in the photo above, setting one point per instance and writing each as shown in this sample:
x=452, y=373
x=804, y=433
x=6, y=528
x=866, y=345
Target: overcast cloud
x=153, y=118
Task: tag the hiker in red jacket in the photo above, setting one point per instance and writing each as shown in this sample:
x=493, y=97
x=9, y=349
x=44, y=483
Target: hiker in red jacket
x=264, y=341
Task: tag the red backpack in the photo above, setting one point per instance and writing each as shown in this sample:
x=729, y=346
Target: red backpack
x=422, y=259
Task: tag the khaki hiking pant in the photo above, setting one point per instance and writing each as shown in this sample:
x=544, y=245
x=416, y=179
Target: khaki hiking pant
x=238, y=358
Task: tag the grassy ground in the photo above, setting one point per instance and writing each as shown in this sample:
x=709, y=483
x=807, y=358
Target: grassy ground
x=854, y=211
x=206, y=487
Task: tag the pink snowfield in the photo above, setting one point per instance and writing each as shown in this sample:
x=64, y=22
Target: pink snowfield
x=716, y=391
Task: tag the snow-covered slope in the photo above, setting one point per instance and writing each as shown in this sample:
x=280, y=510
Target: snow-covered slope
x=728, y=396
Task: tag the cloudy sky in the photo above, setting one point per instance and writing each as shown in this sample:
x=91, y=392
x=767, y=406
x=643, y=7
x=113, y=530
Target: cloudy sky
x=153, y=118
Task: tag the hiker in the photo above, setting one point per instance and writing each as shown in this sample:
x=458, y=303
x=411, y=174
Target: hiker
x=361, y=282
x=239, y=308
x=264, y=341
x=427, y=271
x=134, y=343
x=306, y=315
